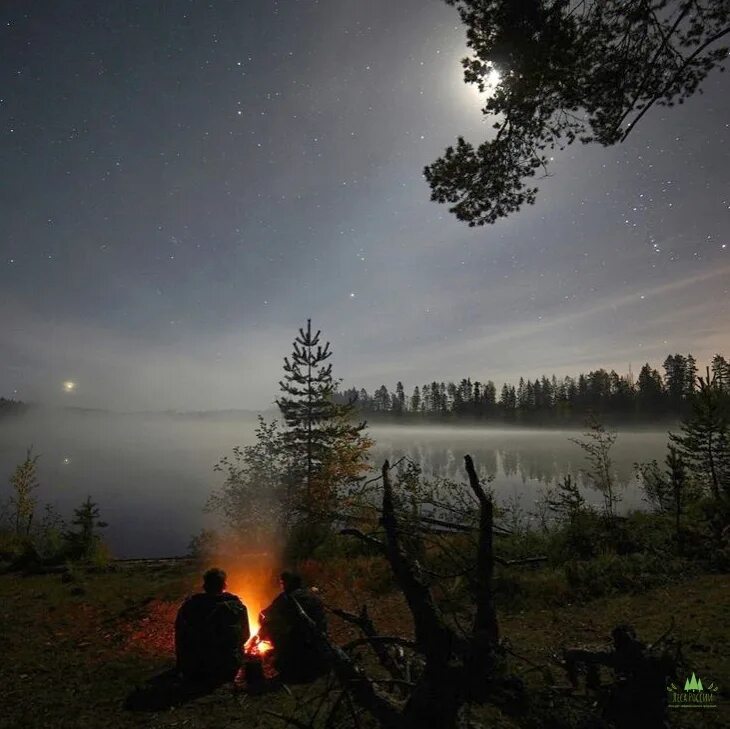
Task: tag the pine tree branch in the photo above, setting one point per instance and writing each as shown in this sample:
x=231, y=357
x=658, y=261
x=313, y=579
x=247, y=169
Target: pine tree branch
x=364, y=538
x=675, y=78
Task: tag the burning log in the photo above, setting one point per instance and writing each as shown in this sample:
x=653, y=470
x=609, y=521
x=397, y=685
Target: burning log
x=257, y=647
x=255, y=664
x=255, y=652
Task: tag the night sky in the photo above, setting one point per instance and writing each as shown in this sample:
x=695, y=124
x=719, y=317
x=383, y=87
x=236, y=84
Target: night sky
x=184, y=183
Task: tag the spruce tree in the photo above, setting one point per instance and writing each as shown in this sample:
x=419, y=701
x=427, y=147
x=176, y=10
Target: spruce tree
x=416, y=400
x=669, y=491
x=704, y=443
x=399, y=401
x=323, y=443
x=721, y=372
x=650, y=391
x=84, y=541
x=382, y=399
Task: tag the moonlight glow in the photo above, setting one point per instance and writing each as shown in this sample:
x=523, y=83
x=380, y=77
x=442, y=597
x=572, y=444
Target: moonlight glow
x=481, y=97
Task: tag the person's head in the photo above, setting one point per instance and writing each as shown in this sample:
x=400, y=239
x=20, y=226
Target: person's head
x=290, y=581
x=214, y=581
x=624, y=639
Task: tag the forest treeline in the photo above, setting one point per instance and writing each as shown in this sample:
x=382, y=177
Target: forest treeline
x=11, y=407
x=650, y=396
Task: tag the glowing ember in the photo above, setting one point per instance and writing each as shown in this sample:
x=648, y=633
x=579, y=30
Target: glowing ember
x=257, y=647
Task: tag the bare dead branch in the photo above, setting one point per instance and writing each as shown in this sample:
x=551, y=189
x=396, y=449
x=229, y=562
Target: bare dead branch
x=363, y=690
x=485, y=620
x=522, y=560
x=391, y=681
x=663, y=636
x=372, y=541
x=432, y=636
x=674, y=79
x=452, y=526
x=365, y=623
x=288, y=720
x=371, y=640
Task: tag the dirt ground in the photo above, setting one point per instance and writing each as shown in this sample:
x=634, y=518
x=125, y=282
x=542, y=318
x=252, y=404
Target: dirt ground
x=74, y=650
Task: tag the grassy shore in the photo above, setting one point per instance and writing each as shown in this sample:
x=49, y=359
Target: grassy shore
x=74, y=648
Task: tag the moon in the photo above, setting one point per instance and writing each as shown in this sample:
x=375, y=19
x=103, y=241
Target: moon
x=490, y=84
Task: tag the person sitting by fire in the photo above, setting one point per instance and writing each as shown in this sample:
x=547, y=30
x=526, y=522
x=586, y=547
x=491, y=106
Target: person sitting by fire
x=296, y=655
x=210, y=630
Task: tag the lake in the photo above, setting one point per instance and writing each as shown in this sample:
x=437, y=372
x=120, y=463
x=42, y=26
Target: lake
x=151, y=474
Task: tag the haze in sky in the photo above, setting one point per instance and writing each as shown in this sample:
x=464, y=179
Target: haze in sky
x=185, y=183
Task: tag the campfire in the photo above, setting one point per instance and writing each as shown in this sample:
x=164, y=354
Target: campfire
x=253, y=578
x=256, y=647
x=255, y=651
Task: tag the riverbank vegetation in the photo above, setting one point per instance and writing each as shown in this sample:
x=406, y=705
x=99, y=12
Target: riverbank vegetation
x=34, y=539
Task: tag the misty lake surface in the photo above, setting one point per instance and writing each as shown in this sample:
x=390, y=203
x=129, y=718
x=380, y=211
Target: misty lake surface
x=152, y=474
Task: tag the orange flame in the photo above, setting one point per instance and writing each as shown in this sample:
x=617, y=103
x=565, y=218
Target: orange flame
x=257, y=647
x=254, y=578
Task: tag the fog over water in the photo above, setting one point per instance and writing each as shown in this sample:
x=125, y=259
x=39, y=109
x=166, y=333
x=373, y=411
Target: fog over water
x=151, y=474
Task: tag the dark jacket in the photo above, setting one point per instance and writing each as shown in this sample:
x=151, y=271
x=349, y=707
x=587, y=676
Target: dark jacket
x=297, y=654
x=210, y=631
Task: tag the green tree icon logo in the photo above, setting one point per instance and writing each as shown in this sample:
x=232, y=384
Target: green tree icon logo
x=693, y=684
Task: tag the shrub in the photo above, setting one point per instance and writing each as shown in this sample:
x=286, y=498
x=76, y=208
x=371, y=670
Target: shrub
x=48, y=537
x=85, y=543
x=11, y=547
x=579, y=538
x=610, y=573
x=590, y=534
x=100, y=557
x=205, y=544
x=310, y=539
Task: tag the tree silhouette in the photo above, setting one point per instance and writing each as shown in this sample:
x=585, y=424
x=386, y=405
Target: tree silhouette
x=597, y=444
x=567, y=70
x=320, y=435
x=24, y=481
x=85, y=539
x=704, y=442
x=669, y=491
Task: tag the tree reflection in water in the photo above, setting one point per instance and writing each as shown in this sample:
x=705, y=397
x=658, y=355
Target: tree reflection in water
x=522, y=461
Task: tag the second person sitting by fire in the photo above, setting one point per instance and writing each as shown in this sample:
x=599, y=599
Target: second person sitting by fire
x=297, y=656
x=210, y=630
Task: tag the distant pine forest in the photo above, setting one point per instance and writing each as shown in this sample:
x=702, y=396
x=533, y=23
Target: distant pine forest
x=652, y=396
x=11, y=407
